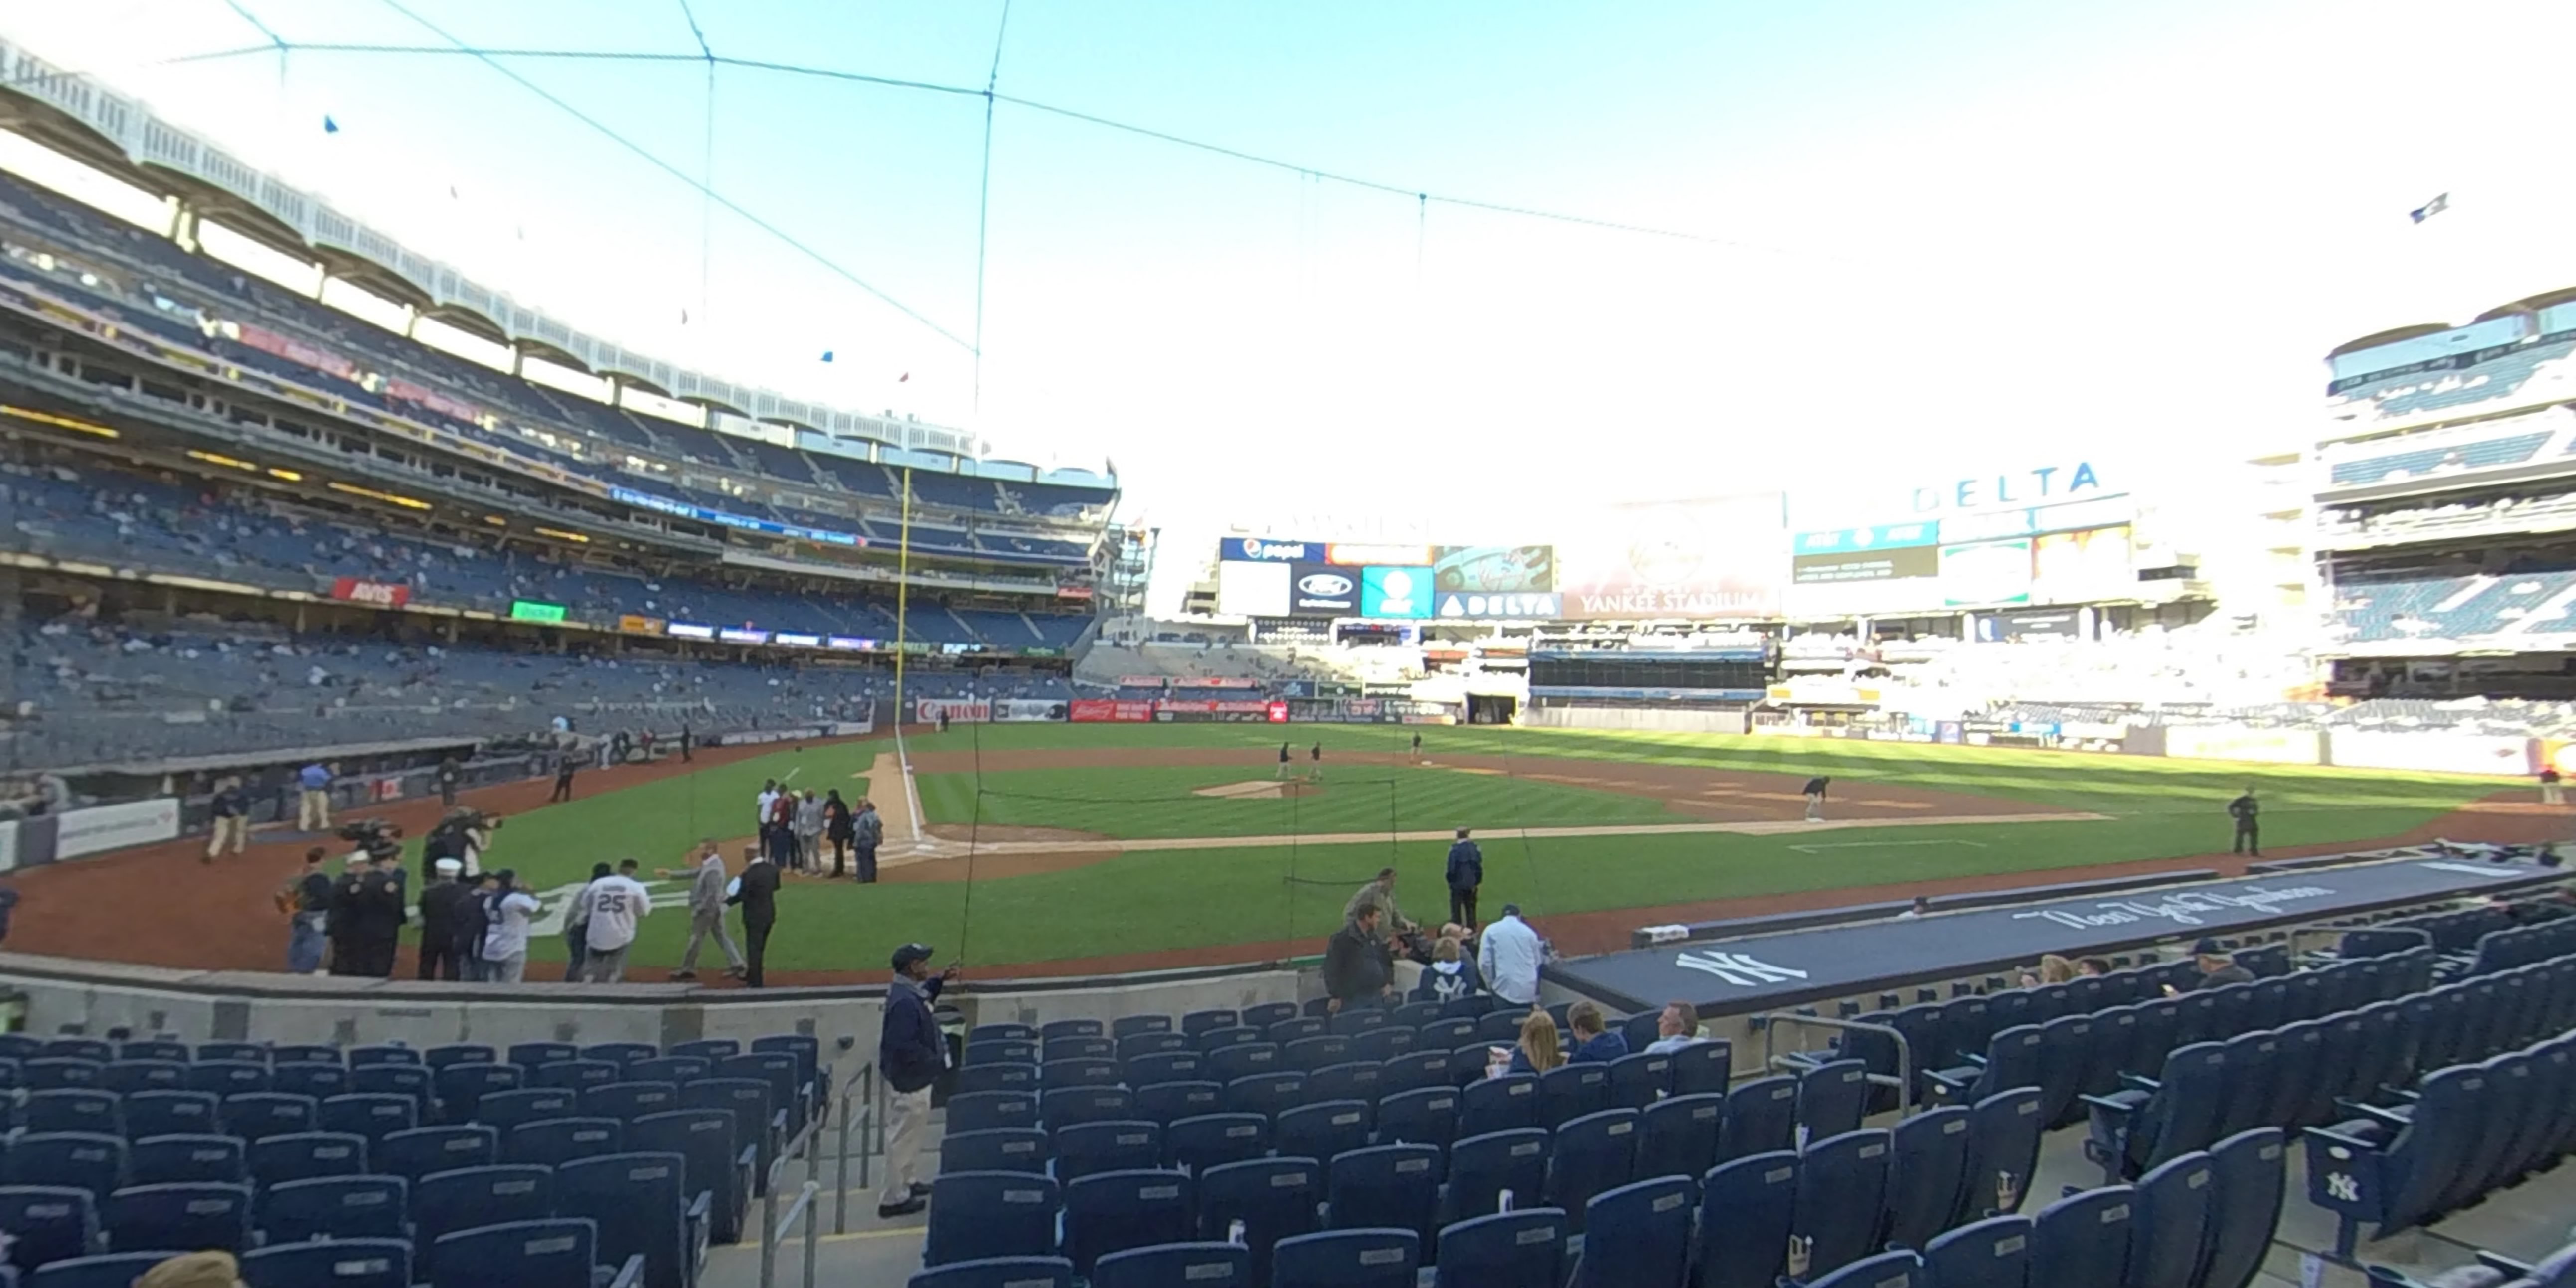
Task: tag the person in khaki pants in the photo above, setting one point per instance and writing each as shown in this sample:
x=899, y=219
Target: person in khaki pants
x=232, y=819
x=313, y=804
x=911, y=1053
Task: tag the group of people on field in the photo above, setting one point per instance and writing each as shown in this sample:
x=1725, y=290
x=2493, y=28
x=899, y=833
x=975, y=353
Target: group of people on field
x=794, y=826
x=1461, y=959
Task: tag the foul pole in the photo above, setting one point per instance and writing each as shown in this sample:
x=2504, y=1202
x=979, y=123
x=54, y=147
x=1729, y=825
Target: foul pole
x=902, y=610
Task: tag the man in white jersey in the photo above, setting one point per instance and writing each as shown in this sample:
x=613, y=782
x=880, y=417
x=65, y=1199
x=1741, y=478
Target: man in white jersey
x=617, y=903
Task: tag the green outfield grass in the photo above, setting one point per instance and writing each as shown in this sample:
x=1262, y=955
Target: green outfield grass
x=1194, y=898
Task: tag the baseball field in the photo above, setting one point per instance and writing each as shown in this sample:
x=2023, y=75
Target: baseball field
x=1068, y=848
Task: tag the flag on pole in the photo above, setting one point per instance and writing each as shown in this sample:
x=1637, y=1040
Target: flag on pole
x=329, y=126
x=2431, y=208
x=902, y=378
x=827, y=355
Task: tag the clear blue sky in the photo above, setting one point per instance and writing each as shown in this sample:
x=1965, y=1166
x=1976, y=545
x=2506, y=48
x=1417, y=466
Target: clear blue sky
x=1983, y=233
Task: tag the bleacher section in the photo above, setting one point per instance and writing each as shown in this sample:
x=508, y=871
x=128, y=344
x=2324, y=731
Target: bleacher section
x=2528, y=376
x=2373, y=606
x=454, y=1167
x=2511, y=449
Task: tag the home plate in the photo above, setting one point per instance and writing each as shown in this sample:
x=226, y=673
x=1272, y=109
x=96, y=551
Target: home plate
x=1878, y=845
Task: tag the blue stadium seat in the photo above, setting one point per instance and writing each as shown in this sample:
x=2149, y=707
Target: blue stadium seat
x=1518, y=1249
x=991, y=1214
x=256, y=1115
x=1001, y=1051
x=1002, y=1149
x=1500, y=1028
x=523, y=1254
x=1162, y=1066
x=2159, y=1120
x=678, y=1069
x=531, y=1055
x=461, y=1087
x=77, y=1160
x=1591, y=1155
x=170, y=1113
x=1195, y=1023
x=756, y=1123
x=1115, y=1211
x=197, y=1217
x=2065, y=1056
x=1422, y=1116
x=1065, y=1106
x=335, y=1207
x=1761, y=1118
x=2247, y=1172
x=1886, y=1270
x=1266, y=1094
x=364, y=1057
x=1261, y=1017
x=1570, y=1091
x=1321, y=1130
x=1078, y=1072
x=1993, y=1253
x=1169, y=1102
x=2082, y=1241
x=312, y=1078
x=628, y=1101
x=1001, y=1031
x=1637, y=1081
x=371, y=1116
x=1272, y=1199
x=1926, y=1166
x=998, y=1272
x=344, y=1263
x=551, y=1142
x=94, y=1050
x=573, y=1075
x=1175, y=1265
x=1842, y=1184
x=1111, y=1145
x=154, y=1049
x=227, y=1077
x=2296, y=1077
x=1385, y=1186
x=2254, y=1064
x=1365, y=1258
x=104, y=1270
x=1225, y=1063
x=301, y=1156
x=1351, y=1080
x=411, y=1080
x=71, y=1109
x=186, y=1160
x=285, y=1053
x=1086, y=1047
x=1507, y=1103
x=1381, y=1044
x=48, y=1222
x=716, y=1049
x=641, y=1207
x=443, y=1203
x=715, y=1165
x=1444, y=1034
x=441, y=1057
x=1638, y=1234
x=1703, y=1068
x=1833, y=1097
x=1359, y=1020
x=986, y=1110
x=970, y=1078
x=1415, y=1070
x=1307, y=1054
x=503, y=1110
x=2171, y=1224
x=1133, y=1042
x=1078, y=1028
x=127, y=1076
x=1484, y=1168
x=1212, y=1041
x=2011, y=1060
x=2004, y=1132
x=1679, y=1135
x=417, y=1153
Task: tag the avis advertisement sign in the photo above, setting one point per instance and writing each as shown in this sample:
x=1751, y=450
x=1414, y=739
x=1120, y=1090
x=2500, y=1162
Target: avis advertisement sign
x=1109, y=711
x=376, y=594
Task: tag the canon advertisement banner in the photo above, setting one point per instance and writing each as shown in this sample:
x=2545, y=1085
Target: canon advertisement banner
x=377, y=594
x=928, y=710
x=1108, y=711
x=1028, y=710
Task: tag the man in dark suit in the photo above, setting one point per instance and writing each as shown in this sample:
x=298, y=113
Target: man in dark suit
x=757, y=891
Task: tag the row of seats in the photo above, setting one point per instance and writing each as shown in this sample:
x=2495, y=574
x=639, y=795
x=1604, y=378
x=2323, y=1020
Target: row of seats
x=558, y=1253
x=2557, y=1270
x=2202, y=1221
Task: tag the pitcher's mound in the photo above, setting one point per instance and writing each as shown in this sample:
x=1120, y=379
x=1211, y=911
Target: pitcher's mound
x=1264, y=790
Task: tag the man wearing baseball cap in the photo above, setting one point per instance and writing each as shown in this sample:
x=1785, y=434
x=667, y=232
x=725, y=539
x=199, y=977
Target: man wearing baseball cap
x=912, y=1053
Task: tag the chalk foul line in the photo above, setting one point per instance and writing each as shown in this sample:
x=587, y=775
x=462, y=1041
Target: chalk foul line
x=1880, y=845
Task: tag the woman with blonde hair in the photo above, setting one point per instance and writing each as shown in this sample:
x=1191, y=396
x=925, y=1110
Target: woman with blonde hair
x=2052, y=969
x=1537, y=1051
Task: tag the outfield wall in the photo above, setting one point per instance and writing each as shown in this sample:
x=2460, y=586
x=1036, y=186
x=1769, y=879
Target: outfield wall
x=1658, y=719
x=2418, y=751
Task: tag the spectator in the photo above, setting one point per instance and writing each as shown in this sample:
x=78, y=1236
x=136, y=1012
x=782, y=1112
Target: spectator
x=505, y=941
x=2249, y=833
x=347, y=916
x=1380, y=895
x=809, y=832
x=840, y=828
x=2052, y=969
x=868, y=833
x=757, y=892
x=1509, y=954
x=2218, y=968
x=566, y=764
x=617, y=903
x=384, y=909
x=474, y=917
x=780, y=836
x=912, y=1053
x=1593, y=1044
x=438, y=901
x=2550, y=791
x=313, y=803
x=1466, y=873
x=193, y=1270
x=232, y=819
x=706, y=913
x=577, y=924
x=1536, y=1052
x=1676, y=1028
x=449, y=774
x=1921, y=907
x=1355, y=961
x=1450, y=976
x=307, y=896
x=2093, y=968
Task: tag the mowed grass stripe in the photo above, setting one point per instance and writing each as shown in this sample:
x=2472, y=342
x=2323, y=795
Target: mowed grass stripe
x=1158, y=802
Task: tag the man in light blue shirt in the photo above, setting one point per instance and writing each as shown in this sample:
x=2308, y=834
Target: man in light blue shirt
x=313, y=803
x=1676, y=1028
x=1509, y=953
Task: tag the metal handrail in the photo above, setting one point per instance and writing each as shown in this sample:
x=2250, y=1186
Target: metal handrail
x=1904, y=1079
x=774, y=1229
x=866, y=1111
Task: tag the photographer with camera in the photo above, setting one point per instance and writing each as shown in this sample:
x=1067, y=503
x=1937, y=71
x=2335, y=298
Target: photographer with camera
x=464, y=835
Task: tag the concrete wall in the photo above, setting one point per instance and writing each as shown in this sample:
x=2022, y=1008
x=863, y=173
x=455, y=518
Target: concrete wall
x=1659, y=719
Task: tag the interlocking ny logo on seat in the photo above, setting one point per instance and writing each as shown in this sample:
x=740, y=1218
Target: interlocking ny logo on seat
x=1737, y=968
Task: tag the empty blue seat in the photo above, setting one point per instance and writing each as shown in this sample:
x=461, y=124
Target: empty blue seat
x=127, y=1076
x=1842, y=1184
x=1484, y=1168
x=455, y=1053
x=2065, y=1057
x=970, y=1079
x=1057, y=1050
x=72, y=1109
x=227, y=1077
x=50, y=1072
x=309, y=1079
x=2168, y=1231
x=196, y=1217
x=1365, y=1258
x=986, y=1110
x=1162, y=1066
x=1314, y=1052
x=2247, y=1170
x=1993, y=1253
x=301, y=1156
x=170, y=1113
x=1242, y=1060
x=94, y=1050
x=256, y=1115
x=1002, y=1149
x=1415, y=1070
x=1267, y=1013
x=575, y=1074
x=1678, y=1136
x=1833, y=1097
x=154, y=1049
x=1639, y=1233
x=285, y=1053
x=445, y=1202
x=1175, y=1265
x=1075, y=1028
x=1169, y=1102
x=1761, y=1118
x=676, y=1069
x=640, y=1206
x=756, y=1122
x=183, y=1160
x=1518, y=1249
x=715, y=1165
x=372, y=1116
x=2254, y=1064
x=1703, y=1068
x=1639, y=1080
x=49, y=1223
x=2011, y=1060
x=1591, y=1155
x=2158, y=1120
x=1571, y=1091
x=1507, y=1103
x=1379, y=1045
x=1886, y=1270
x=1444, y=1035
x=1001, y=1051
x=2004, y=1132
x=998, y=1272
x=1351, y=1080
x=706, y=1048
x=1213, y=1041
x=1265, y=1094
x=532, y=1055
x=103, y=1270
x=1357, y=1020
x=342, y=1263
x=1321, y=1130
x=627, y=1101
x=460, y=1087
x=255, y=1052
x=1065, y=1106
x=1423, y=1116
x=520, y=1254
x=78, y=1160
x=1929, y=1160
x=2082, y=1241
x=1272, y=1198
x=991, y=1214
x=1115, y=1211
x=1194, y=1023
x=417, y=1153
x=1385, y=1187
x=393, y=1079
x=364, y=1057
x=503, y=1110
x=335, y=1207
x=1111, y=1145
x=551, y=1142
